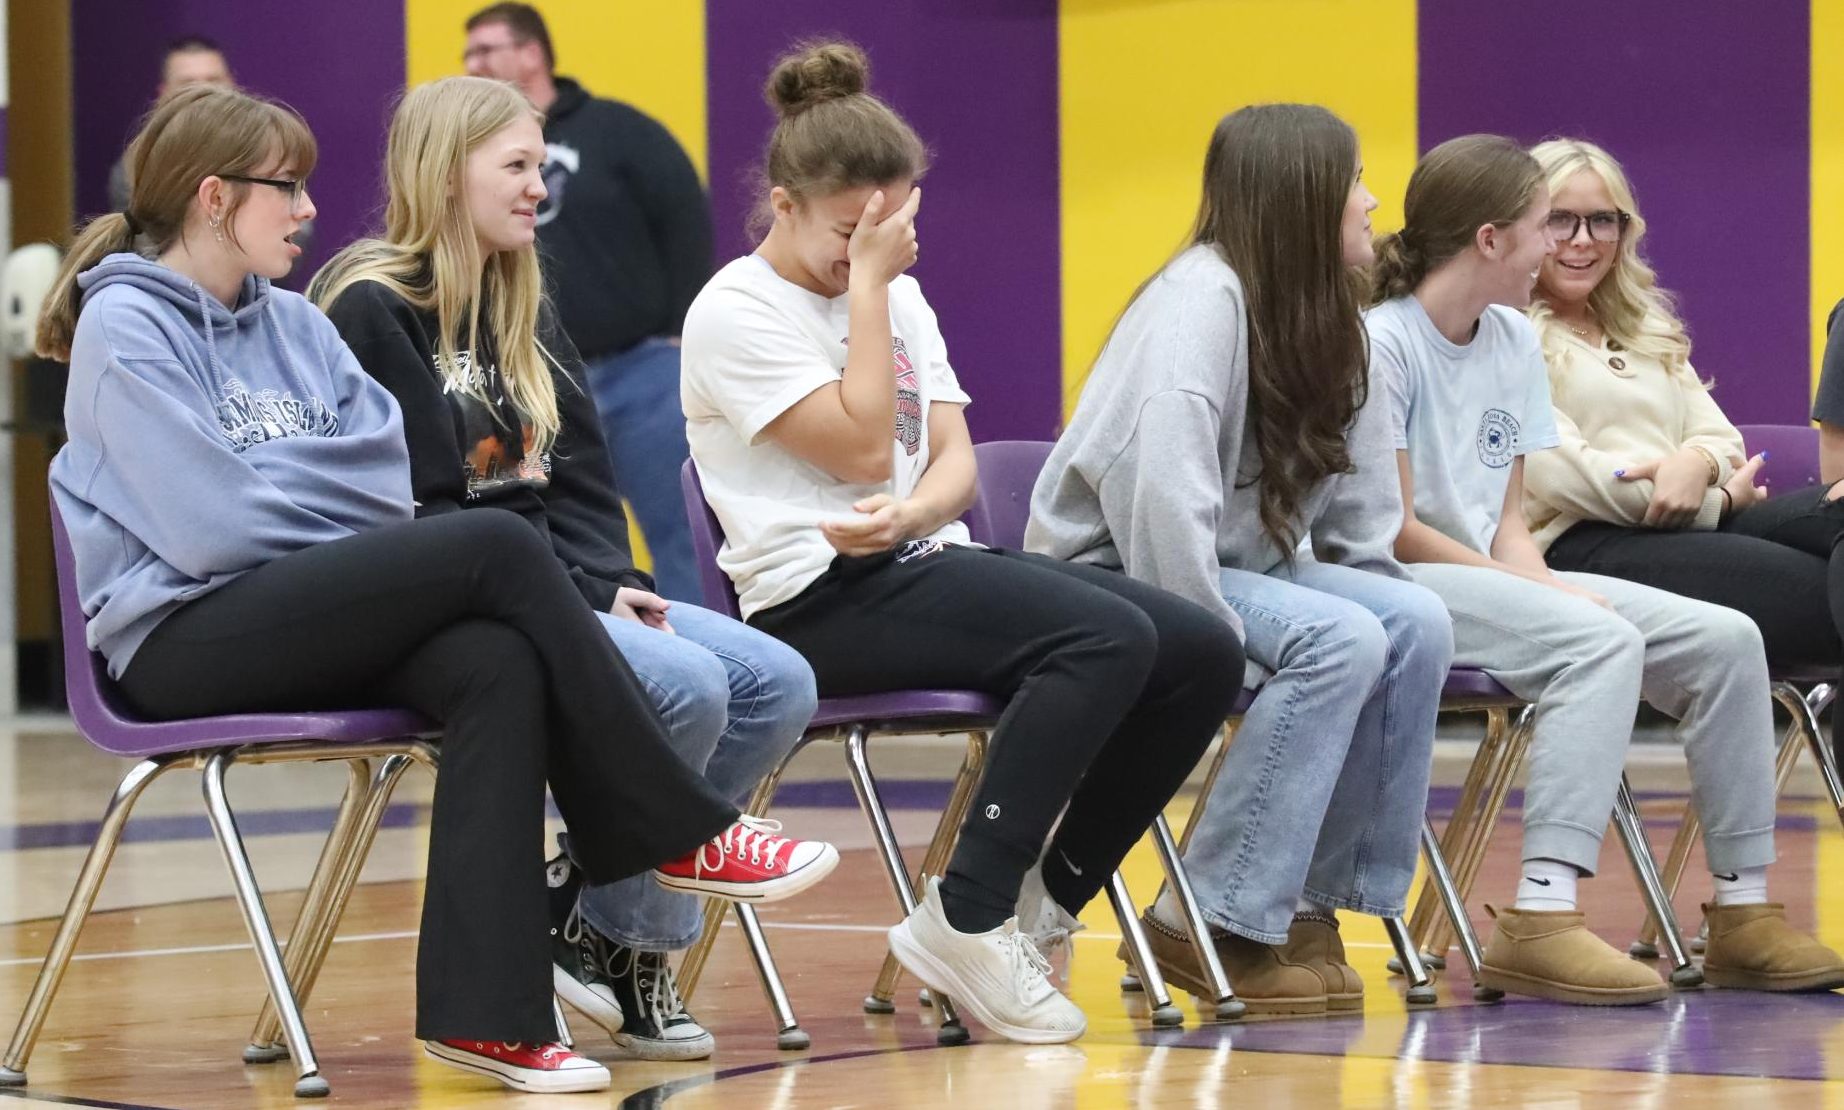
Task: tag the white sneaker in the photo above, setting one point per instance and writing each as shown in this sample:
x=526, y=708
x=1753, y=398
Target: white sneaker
x=1048, y=925
x=996, y=975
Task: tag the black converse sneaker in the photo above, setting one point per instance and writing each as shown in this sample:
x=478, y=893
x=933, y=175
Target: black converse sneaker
x=657, y=1026
x=579, y=954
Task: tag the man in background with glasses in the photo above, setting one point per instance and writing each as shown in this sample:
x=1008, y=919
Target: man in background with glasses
x=626, y=238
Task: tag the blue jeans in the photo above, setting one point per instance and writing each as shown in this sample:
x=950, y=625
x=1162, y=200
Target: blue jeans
x=734, y=702
x=637, y=395
x=1324, y=787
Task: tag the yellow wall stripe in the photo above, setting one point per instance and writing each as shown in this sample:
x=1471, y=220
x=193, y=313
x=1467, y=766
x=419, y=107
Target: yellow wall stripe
x=1144, y=83
x=1827, y=240
x=644, y=52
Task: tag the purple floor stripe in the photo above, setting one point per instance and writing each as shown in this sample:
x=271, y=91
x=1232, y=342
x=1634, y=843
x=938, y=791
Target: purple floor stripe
x=1704, y=1032
x=898, y=794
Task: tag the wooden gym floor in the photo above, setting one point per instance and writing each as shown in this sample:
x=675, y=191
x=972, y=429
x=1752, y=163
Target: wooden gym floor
x=157, y=1007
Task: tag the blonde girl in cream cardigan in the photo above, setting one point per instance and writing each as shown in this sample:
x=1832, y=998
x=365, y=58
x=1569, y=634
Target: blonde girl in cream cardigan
x=1650, y=482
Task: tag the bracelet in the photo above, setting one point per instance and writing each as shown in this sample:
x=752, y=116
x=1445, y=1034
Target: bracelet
x=1728, y=503
x=1709, y=457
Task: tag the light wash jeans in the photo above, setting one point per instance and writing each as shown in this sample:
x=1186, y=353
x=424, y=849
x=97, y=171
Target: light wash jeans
x=637, y=396
x=734, y=702
x=1325, y=784
x=1585, y=668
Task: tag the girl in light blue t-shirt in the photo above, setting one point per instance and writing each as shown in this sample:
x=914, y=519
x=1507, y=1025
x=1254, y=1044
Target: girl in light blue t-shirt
x=1471, y=401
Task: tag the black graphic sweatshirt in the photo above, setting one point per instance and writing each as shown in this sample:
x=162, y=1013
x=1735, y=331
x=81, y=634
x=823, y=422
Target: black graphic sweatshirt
x=626, y=230
x=465, y=454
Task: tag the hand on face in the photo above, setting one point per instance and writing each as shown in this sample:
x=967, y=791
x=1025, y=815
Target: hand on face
x=884, y=245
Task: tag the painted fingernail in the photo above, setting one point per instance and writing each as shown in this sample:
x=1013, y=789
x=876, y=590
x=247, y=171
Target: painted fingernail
x=1619, y=473
x=1763, y=456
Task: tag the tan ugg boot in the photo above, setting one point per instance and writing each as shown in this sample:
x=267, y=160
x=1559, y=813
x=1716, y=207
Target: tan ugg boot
x=1262, y=978
x=1752, y=948
x=1313, y=942
x=1551, y=954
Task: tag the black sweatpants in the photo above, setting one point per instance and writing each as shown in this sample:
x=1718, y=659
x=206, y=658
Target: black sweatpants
x=1115, y=689
x=469, y=619
x=1777, y=561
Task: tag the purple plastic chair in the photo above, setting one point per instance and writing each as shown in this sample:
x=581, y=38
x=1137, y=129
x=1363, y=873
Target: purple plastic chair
x=852, y=721
x=1792, y=465
x=1792, y=454
x=211, y=745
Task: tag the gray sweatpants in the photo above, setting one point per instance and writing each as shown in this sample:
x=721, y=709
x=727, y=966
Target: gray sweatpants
x=1586, y=669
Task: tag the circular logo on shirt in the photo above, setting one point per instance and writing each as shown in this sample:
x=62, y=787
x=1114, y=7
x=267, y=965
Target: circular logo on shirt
x=1497, y=438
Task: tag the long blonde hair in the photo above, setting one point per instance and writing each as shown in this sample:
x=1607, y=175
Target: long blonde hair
x=198, y=132
x=1627, y=303
x=428, y=253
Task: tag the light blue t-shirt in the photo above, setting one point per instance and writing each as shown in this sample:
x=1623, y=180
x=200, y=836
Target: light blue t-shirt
x=1463, y=413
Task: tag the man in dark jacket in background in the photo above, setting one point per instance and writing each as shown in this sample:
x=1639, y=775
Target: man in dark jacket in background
x=626, y=239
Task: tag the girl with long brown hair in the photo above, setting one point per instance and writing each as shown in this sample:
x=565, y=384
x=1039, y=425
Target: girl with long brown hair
x=1229, y=418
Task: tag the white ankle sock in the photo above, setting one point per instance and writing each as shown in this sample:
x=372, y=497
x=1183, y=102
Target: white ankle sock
x=1547, y=885
x=1304, y=904
x=1745, y=886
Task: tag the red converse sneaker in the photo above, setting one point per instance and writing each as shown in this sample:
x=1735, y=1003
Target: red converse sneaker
x=546, y=1068
x=748, y=862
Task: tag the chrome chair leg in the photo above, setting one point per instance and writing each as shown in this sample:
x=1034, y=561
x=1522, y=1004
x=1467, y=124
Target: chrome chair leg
x=266, y=1044
x=1133, y=936
x=308, y=1082
x=858, y=763
x=1684, y=974
x=77, y=911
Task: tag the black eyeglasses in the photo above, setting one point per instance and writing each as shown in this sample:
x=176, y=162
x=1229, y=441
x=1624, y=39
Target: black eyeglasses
x=1603, y=227
x=296, y=189
x=481, y=50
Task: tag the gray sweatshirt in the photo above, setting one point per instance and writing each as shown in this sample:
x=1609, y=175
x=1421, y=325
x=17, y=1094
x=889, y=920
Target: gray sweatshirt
x=1154, y=473
x=206, y=441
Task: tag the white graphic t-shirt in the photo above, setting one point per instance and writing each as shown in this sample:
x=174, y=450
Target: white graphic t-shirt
x=755, y=344
x=1463, y=413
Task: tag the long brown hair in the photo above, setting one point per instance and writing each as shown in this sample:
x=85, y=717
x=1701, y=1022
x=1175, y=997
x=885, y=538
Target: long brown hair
x=197, y=132
x=1276, y=181
x=1457, y=188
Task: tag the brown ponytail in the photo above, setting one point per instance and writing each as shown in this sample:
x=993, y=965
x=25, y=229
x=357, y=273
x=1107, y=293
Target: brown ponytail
x=57, y=320
x=1457, y=188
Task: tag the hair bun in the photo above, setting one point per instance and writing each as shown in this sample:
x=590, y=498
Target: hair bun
x=814, y=73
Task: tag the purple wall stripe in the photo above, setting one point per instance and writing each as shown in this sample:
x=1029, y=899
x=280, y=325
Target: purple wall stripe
x=979, y=82
x=1710, y=115
x=339, y=67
